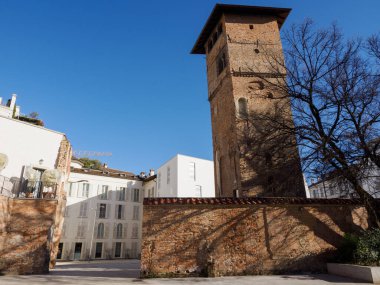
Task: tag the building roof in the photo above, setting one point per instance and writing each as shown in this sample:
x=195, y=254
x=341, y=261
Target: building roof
x=220, y=9
x=149, y=178
x=108, y=172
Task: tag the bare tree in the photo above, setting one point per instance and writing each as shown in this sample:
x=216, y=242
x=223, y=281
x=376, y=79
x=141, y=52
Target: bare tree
x=373, y=46
x=335, y=107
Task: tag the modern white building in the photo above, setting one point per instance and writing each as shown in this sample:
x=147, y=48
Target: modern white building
x=150, y=185
x=30, y=151
x=333, y=186
x=185, y=176
x=103, y=215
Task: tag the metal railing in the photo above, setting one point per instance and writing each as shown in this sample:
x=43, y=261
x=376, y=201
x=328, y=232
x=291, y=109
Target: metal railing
x=17, y=188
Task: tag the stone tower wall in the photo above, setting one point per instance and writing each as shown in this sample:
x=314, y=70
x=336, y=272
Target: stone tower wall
x=246, y=41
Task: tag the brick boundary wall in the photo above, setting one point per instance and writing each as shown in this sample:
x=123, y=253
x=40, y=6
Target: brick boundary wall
x=25, y=235
x=244, y=236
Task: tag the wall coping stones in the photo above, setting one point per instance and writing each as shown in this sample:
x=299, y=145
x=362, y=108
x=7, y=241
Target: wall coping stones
x=251, y=201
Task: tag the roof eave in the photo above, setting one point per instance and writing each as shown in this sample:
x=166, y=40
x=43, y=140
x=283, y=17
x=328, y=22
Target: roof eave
x=220, y=9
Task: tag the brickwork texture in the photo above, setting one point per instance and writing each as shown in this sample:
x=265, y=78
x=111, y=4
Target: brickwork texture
x=244, y=41
x=25, y=235
x=219, y=237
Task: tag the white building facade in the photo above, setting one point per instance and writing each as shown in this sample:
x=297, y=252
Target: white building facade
x=185, y=176
x=30, y=149
x=336, y=187
x=103, y=215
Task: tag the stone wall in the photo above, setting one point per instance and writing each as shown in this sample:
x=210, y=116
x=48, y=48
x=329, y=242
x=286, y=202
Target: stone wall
x=227, y=236
x=63, y=164
x=25, y=234
x=249, y=159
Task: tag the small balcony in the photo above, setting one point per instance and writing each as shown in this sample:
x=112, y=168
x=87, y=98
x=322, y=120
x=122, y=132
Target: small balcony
x=23, y=188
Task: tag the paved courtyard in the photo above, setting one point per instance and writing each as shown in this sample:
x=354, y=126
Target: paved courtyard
x=127, y=272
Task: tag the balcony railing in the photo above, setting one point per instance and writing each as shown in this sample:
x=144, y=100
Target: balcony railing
x=17, y=188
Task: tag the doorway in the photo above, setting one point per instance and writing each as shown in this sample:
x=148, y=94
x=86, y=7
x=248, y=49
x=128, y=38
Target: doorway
x=77, y=250
x=60, y=248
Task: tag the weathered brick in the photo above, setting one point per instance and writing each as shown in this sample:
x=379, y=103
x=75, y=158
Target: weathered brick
x=219, y=240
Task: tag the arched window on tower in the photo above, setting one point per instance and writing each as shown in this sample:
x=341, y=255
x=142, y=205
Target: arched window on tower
x=221, y=63
x=242, y=108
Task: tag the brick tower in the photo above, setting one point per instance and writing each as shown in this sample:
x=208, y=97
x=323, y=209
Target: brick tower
x=235, y=40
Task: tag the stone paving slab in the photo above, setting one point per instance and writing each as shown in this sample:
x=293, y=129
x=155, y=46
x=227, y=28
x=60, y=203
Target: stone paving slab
x=127, y=272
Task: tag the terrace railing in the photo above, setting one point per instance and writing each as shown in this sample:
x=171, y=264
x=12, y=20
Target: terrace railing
x=17, y=188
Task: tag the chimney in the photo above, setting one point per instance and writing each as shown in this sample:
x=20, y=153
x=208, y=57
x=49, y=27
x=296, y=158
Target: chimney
x=105, y=165
x=17, y=113
x=151, y=172
x=13, y=102
x=1, y=100
x=142, y=174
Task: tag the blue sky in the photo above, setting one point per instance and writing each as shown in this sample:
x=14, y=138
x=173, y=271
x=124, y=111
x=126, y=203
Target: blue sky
x=117, y=76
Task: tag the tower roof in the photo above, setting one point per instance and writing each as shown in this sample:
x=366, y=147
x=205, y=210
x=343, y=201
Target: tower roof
x=220, y=9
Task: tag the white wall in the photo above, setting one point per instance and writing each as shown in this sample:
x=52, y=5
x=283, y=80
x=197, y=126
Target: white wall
x=204, y=177
x=72, y=220
x=150, y=188
x=26, y=144
x=182, y=183
x=165, y=189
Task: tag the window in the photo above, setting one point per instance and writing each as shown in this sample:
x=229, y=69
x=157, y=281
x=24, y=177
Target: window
x=135, y=231
x=192, y=170
x=83, y=210
x=243, y=109
x=66, y=213
x=136, y=195
x=100, y=232
x=136, y=210
x=221, y=63
x=81, y=231
x=119, y=231
x=102, y=211
x=60, y=250
x=251, y=27
x=98, y=250
x=159, y=180
x=198, y=190
x=118, y=249
x=168, y=175
x=104, y=192
x=70, y=189
x=270, y=95
x=122, y=193
x=151, y=192
x=119, y=212
x=84, y=190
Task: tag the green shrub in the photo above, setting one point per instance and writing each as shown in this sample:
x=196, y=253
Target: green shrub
x=367, y=251
x=347, y=248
